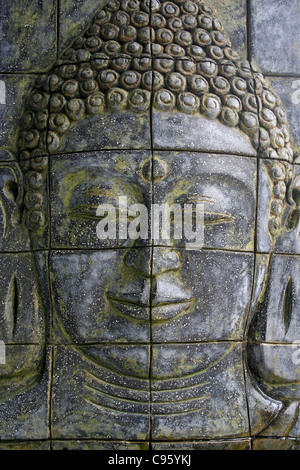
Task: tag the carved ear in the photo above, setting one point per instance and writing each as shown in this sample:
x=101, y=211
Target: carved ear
x=11, y=204
x=293, y=196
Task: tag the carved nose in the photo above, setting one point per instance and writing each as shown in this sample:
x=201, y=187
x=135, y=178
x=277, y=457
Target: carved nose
x=164, y=260
x=152, y=264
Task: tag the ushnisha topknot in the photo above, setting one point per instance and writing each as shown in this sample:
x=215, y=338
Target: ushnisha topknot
x=175, y=56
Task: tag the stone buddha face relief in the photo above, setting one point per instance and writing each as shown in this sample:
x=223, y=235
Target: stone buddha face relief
x=153, y=105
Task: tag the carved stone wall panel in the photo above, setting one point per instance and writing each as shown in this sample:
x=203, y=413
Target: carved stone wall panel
x=274, y=186
x=226, y=187
x=267, y=48
x=76, y=196
x=186, y=414
x=275, y=444
x=222, y=444
x=26, y=44
x=116, y=405
x=99, y=445
x=194, y=317
x=25, y=400
x=14, y=90
x=114, y=336
x=109, y=288
x=24, y=305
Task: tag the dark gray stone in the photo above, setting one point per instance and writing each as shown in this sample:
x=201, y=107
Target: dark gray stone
x=275, y=47
x=174, y=130
x=17, y=88
x=24, y=408
x=24, y=304
x=234, y=444
x=94, y=179
x=193, y=388
x=276, y=444
x=115, y=405
x=276, y=317
x=25, y=445
x=218, y=292
x=271, y=196
x=101, y=296
x=75, y=16
x=13, y=235
x=288, y=89
x=117, y=130
x=27, y=35
x=226, y=185
x=99, y=445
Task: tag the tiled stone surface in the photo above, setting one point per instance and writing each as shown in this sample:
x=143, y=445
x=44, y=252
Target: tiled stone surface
x=276, y=444
x=28, y=35
x=142, y=333
x=24, y=311
x=188, y=396
x=99, y=445
x=75, y=17
x=271, y=196
x=234, y=444
x=275, y=46
x=13, y=237
x=25, y=445
x=101, y=296
x=217, y=292
x=288, y=89
x=17, y=88
x=115, y=405
x=24, y=410
x=224, y=184
x=98, y=178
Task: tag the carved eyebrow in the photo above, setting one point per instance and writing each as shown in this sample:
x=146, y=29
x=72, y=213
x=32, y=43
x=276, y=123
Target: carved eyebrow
x=202, y=200
x=96, y=191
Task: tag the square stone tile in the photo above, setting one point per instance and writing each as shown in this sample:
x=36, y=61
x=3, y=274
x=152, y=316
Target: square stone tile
x=233, y=15
x=14, y=90
x=24, y=391
x=273, y=209
x=27, y=35
x=275, y=444
x=198, y=391
x=224, y=444
x=110, y=130
x=81, y=182
x=276, y=317
x=101, y=393
x=25, y=445
x=225, y=185
x=176, y=131
x=24, y=300
x=275, y=47
x=99, y=445
x=277, y=371
x=75, y=17
x=288, y=89
x=204, y=286
x=101, y=296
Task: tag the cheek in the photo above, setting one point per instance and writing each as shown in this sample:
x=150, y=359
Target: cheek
x=78, y=282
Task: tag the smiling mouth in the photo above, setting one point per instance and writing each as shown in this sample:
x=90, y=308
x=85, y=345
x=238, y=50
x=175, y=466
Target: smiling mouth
x=160, y=311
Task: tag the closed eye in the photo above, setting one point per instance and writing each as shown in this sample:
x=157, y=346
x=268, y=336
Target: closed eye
x=89, y=212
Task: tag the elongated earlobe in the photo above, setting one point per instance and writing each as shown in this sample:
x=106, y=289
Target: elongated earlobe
x=13, y=235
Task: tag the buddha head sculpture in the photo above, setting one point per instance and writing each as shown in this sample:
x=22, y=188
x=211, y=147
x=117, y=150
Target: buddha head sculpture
x=153, y=106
